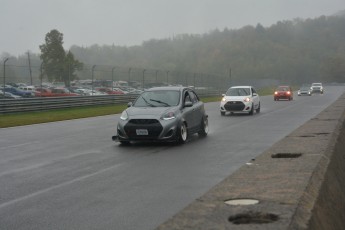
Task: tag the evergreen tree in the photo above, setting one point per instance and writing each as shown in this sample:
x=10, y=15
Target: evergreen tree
x=56, y=64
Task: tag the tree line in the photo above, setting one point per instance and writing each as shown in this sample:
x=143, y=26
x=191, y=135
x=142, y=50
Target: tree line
x=295, y=52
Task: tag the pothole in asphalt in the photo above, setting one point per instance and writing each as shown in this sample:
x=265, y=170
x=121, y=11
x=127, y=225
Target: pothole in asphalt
x=253, y=218
x=322, y=133
x=242, y=202
x=286, y=155
x=306, y=136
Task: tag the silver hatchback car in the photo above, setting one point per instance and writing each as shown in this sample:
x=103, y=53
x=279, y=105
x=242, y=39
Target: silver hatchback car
x=163, y=114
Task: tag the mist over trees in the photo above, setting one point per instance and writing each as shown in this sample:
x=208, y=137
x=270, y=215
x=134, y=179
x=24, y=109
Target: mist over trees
x=295, y=52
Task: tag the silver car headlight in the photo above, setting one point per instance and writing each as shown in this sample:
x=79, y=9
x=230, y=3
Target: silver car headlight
x=124, y=115
x=168, y=116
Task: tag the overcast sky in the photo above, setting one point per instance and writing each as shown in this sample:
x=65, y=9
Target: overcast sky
x=24, y=23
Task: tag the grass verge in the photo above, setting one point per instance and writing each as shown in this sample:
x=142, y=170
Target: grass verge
x=29, y=118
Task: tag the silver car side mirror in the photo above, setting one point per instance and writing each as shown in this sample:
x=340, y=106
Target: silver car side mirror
x=188, y=104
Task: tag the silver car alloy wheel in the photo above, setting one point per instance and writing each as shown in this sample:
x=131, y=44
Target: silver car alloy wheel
x=206, y=126
x=183, y=132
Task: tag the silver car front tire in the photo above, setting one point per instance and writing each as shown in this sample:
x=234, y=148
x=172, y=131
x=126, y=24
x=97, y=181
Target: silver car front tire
x=182, y=134
x=204, y=128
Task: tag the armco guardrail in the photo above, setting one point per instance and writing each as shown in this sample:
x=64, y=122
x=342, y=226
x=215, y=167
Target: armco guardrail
x=48, y=103
x=299, y=183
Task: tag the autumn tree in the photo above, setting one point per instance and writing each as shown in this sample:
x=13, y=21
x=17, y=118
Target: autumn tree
x=57, y=65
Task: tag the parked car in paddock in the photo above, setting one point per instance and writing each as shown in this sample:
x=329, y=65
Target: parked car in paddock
x=83, y=92
x=133, y=90
x=73, y=89
x=305, y=90
x=240, y=99
x=28, y=88
x=283, y=92
x=110, y=90
x=89, y=92
x=317, y=88
x=62, y=92
x=18, y=92
x=96, y=93
x=43, y=92
x=8, y=95
x=165, y=114
x=54, y=92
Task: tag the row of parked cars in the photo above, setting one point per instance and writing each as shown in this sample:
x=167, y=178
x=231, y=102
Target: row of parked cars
x=24, y=91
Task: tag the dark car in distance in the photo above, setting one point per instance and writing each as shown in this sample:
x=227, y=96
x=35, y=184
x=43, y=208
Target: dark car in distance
x=167, y=114
x=305, y=90
x=283, y=92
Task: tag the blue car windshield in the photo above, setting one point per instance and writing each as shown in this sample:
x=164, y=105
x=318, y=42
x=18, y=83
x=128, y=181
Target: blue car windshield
x=158, y=98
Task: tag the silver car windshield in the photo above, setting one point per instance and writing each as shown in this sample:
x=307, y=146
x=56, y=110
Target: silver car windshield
x=159, y=98
x=238, y=92
x=305, y=88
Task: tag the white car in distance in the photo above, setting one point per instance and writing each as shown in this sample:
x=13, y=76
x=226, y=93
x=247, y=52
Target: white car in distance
x=317, y=88
x=240, y=99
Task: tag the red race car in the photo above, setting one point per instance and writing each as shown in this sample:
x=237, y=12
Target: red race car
x=283, y=92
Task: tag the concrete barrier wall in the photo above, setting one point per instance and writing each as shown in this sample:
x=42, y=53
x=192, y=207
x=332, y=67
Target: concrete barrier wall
x=299, y=183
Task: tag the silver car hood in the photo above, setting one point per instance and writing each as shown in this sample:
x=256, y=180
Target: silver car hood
x=148, y=111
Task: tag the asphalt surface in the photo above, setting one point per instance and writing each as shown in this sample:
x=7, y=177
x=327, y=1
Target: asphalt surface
x=70, y=175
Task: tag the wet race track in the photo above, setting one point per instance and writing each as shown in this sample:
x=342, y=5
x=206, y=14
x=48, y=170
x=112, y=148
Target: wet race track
x=70, y=175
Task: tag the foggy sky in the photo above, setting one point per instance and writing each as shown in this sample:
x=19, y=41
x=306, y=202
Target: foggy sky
x=24, y=23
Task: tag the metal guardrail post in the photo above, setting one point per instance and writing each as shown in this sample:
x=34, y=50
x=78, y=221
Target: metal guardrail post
x=6, y=59
x=167, y=77
x=144, y=78
x=112, y=78
x=5, y=81
x=93, y=68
